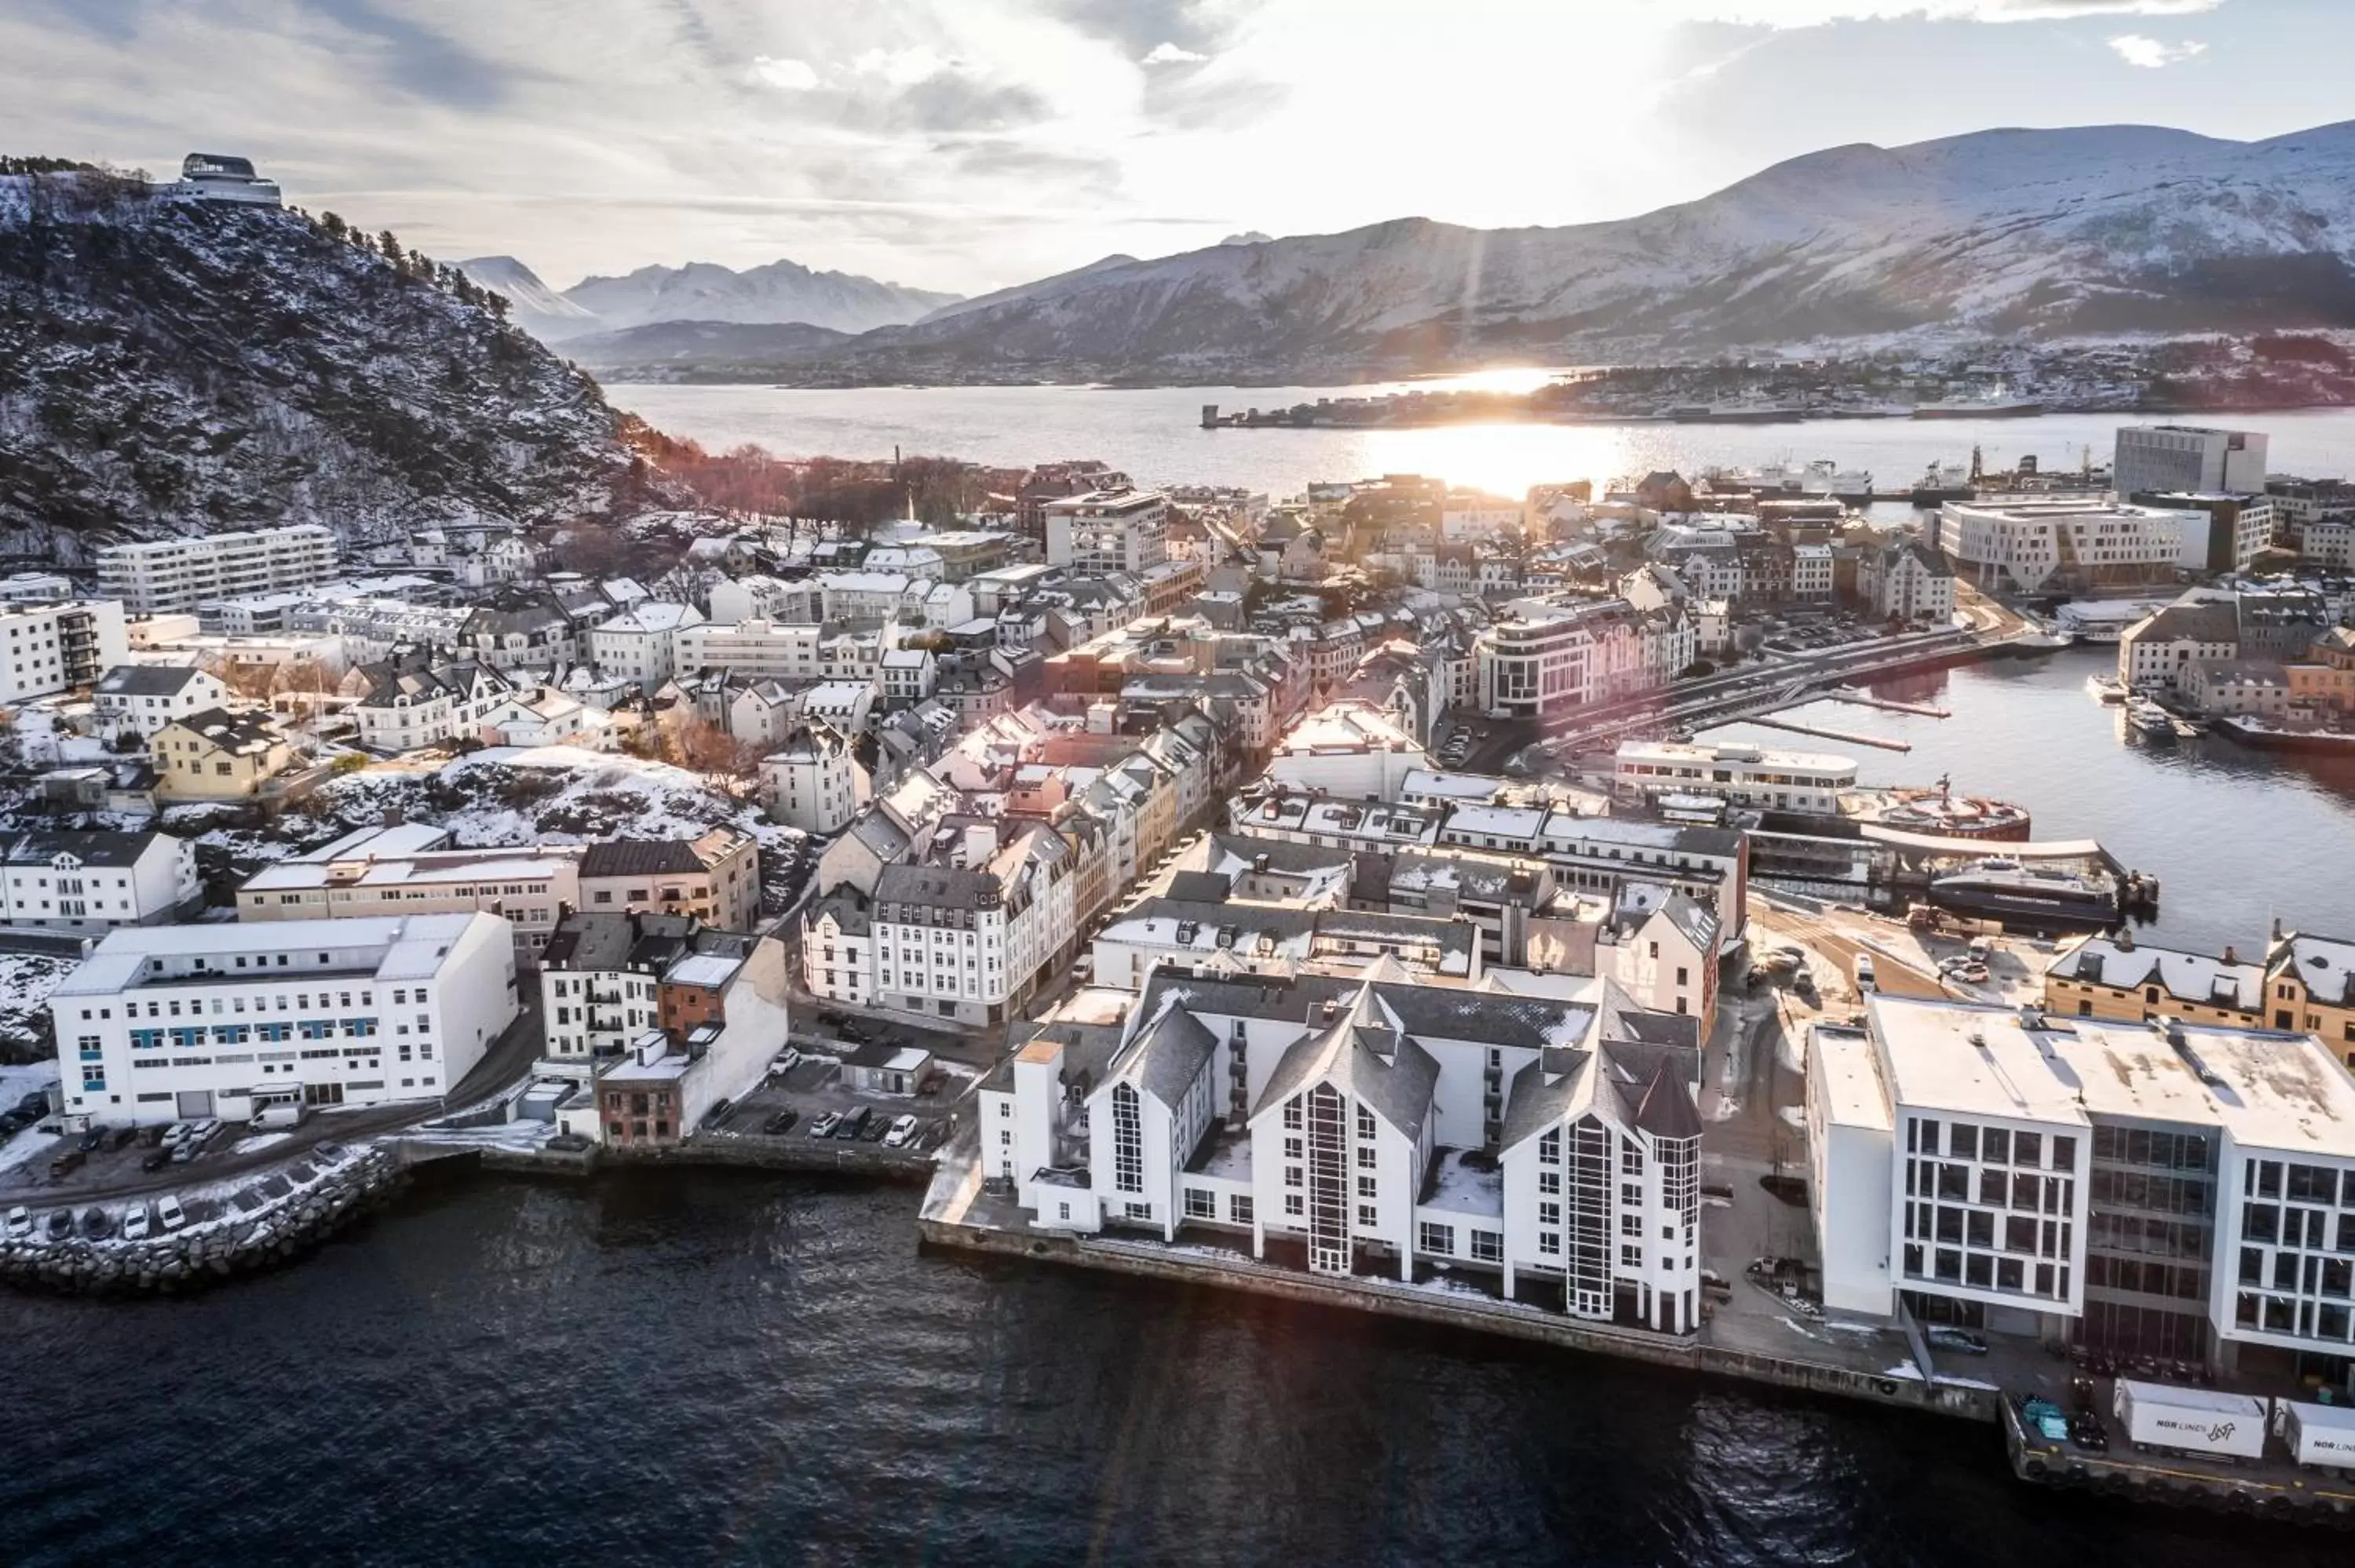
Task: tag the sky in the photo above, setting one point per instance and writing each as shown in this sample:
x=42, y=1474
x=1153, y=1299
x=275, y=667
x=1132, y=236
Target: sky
x=972, y=145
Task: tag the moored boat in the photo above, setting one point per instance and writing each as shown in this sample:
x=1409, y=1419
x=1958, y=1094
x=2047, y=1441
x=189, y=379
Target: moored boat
x=2007, y=889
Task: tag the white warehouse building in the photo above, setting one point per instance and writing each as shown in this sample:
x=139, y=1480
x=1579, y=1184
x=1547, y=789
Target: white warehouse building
x=166, y=1023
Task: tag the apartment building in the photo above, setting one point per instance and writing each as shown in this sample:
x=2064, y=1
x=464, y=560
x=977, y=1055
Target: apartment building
x=80, y=880
x=45, y=649
x=1107, y=530
x=715, y=878
x=2310, y=986
x=722, y=1002
x=2162, y=1188
x=606, y=980
x=181, y=573
x=408, y=870
x=813, y=781
x=2119, y=976
x=414, y=704
x=2151, y=459
x=166, y=1023
x=1548, y=1146
x=2069, y=544
x=959, y=934
x=640, y=644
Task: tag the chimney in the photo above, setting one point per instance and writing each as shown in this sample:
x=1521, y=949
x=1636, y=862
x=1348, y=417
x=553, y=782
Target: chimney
x=2230, y=957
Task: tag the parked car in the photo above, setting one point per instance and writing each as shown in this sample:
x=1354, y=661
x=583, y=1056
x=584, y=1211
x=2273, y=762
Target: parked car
x=120, y=1137
x=92, y=1141
x=824, y=1125
x=719, y=1113
x=168, y=1213
x=135, y=1223
x=61, y=1224
x=781, y=1122
x=787, y=1060
x=875, y=1130
x=854, y=1123
x=1945, y=1337
x=2088, y=1433
x=902, y=1133
x=201, y=1134
x=1866, y=980
x=152, y=1135
x=97, y=1223
x=185, y=1151
x=20, y=1223
x=1970, y=971
x=177, y=1132
x=15, y=1122
x=68, y=1161
x=155, y=1159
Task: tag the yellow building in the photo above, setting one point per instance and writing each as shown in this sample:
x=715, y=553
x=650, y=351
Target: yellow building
x=2100, y=976
x=715, y=878
x=2310, y=986
x=2325, y=678
x=216, y=754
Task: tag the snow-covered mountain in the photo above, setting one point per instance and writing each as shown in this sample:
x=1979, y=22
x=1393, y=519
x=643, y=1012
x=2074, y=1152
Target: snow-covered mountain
x=534, y=306
x=705, y=351
x=779, y=293
x=171, y=366
x=2002, y=233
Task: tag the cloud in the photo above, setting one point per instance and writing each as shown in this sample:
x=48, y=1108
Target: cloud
x=1168, y=53
x=792, y=75
x=2150, y=54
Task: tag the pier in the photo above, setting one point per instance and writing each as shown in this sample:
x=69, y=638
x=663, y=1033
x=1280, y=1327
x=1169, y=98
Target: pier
x=1887, y=705
x=1849, y=738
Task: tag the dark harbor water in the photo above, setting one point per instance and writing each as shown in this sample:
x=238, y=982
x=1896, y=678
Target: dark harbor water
x=2235, y=836
x=697, y=1367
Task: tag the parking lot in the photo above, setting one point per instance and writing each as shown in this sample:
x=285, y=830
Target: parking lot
x=59, y=1210
x=793, y=1104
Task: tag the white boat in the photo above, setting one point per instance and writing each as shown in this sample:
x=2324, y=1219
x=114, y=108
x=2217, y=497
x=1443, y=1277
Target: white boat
x=2109, y=688
x=2150, y=718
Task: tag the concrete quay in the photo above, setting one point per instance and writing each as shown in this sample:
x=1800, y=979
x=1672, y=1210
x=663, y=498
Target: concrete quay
x=1467, y=1309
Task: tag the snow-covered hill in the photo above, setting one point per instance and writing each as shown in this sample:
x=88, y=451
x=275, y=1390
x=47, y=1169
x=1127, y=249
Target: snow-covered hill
x=537, y=308
x=2036, y=233
x=172, y=366
x=779, y=293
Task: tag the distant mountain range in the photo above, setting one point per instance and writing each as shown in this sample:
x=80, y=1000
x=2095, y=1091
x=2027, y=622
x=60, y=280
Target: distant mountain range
x=2008, y=235
x=599, y=318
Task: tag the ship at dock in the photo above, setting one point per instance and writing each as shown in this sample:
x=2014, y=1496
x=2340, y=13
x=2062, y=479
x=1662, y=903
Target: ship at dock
x=1939, y=813
x=2025, y=894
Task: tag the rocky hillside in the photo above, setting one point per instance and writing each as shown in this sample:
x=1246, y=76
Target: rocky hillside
x=778, y=292
x=171, y=366
x=2004, y=235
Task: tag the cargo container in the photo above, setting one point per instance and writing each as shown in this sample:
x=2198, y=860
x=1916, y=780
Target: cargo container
x=2320, y=1435
x=2190, y=1420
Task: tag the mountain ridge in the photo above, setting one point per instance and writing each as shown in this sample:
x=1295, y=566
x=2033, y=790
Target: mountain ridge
x=2015, y=231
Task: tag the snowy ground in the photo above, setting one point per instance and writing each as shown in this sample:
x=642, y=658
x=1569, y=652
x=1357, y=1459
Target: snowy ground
x=25, y=981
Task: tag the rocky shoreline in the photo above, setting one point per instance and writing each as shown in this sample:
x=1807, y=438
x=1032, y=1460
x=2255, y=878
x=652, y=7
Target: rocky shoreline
x=212, y=1251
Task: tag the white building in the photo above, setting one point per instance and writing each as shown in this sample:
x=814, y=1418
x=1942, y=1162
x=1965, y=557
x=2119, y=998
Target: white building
x=1468, y=515
x=1544, y=658
x=35, y=588
x=81, y=881
x=50, y=648
x=1905, y=580
x=404, y=708
x=2154, y=1188
x=1350, y=749
x=2073, y=543
x=759, y=649
x=406, y=870
x=2151, y=459
x=165, y=1022
x=962, y=937
x=640, y=644
x=763, y=598
x=2159, y=652
x=1336, y=1116
x=1108, y=531
x=1808, y=781
x=178, y=573
x=1811, y=571
x=144, y=698
x=814, y=782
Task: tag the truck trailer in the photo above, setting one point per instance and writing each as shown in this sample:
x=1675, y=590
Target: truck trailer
x=2190, y=1420
x=2318, y=1434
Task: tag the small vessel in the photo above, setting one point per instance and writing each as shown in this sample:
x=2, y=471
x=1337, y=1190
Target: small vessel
x=2009, y=889
x=2187, y=729
x=1979, y=408
x=2150, y=718
x=2109, y=688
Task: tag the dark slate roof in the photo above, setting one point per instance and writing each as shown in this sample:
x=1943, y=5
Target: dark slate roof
x=1351, y=1053
x=147, y=680
x=647, y=943
x=1542, y=1094
x=98, y=849
x=237, y=733
x=1166, y=1055
x=1665, y=1107
x=938, y=886
x=1200, y=887
x=640, y=857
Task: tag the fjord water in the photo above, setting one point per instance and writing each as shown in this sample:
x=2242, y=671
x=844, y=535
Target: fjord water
x=1155, y=435
x=684, y=1368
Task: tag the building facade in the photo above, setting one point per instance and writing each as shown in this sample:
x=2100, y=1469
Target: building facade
x=182, y=573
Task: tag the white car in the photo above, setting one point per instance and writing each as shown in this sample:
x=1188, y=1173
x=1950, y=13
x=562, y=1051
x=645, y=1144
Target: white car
x=787, y=1060
x=902, y=1133
x=135, y=1223
x=20, y=1223
x=168, y=1213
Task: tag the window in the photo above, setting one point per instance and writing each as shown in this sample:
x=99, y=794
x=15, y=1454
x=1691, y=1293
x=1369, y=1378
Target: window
x=1367, y=1218
x=1201, y=1204
x=1366, y=1187
x=1127, y=1142
x=1291, y=1204
x=1438, y=1239
x=1487, y=1246
x=1239, y=1209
